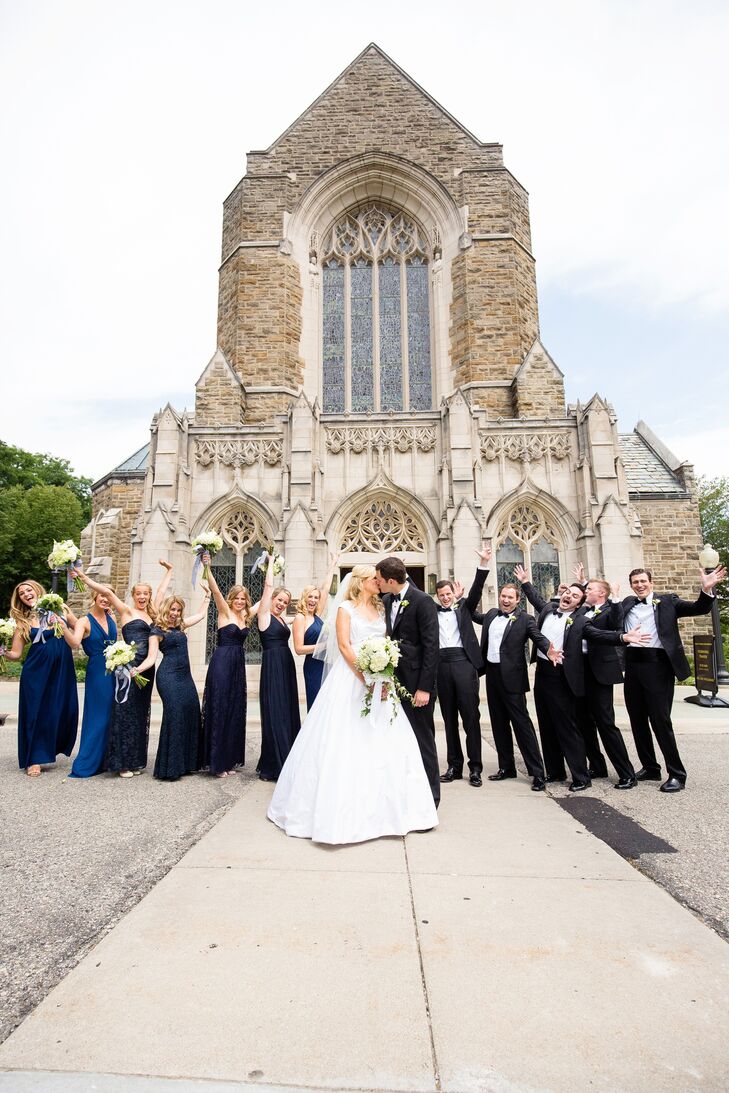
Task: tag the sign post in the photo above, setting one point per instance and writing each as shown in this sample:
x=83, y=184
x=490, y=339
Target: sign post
x=705, y=673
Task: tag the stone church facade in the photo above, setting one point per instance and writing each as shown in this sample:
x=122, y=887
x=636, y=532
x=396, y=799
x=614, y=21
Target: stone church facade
x=379, y=385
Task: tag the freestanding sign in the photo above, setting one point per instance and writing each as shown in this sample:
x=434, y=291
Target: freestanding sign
x=705, y=674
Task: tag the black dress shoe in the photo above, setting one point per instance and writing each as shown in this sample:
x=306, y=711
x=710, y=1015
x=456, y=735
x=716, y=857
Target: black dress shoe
x=672, y=785
x=597, y=773
x=501, y=774
x=554, y=778
x=474, y=779
x=538, y=783
x=626, y=783
x=451, y=775
x=644, y=775
x=577, y=787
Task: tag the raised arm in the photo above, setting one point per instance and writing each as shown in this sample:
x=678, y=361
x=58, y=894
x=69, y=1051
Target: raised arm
x=193, y=620
x=220, y=601
x=264, y=607
x=530, y=591
x=150, y=659
x=703, y=605
x=74, y=635
x=119, y=606
x=326, y=584
x=164, y=584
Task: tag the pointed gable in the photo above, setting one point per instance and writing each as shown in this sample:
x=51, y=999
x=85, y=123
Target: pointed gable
x=539, y=385
x=219, y=394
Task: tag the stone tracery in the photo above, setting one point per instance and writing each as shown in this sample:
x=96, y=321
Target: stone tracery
x=382, y=526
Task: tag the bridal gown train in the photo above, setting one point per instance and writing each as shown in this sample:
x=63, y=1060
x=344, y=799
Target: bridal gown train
x=350, y=778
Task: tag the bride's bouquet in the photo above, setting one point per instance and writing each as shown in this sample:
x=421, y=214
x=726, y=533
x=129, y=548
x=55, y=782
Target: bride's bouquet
x=66, y=555
x=207, y=542
x=7, y=631
x=377, y=660
x=279, y=561
x=118, y=655
x=49, y=607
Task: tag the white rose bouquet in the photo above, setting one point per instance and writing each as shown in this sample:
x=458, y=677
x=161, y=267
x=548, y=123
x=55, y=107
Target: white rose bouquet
x=118, y=655
x=7, y=630
x=279, y=562
x=66, y=555
x=50, y=609
x=207, y=542
x=377, y=660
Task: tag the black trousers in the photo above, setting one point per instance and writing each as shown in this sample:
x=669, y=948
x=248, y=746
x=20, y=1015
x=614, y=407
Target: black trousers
x=507, y=711
x=596, y=714
x=649, y=686
x=422, y=723
x=561, y=739
x=458, y=694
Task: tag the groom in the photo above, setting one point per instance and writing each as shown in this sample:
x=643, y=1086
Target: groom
x=412, y=620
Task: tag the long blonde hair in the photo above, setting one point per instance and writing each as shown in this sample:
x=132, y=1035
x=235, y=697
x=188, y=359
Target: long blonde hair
x=20, y=611
x=150, y=608
x=163, y=615
x=236, y=591
x=359, y=574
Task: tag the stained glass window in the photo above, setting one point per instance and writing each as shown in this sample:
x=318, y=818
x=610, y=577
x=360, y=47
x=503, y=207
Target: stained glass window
x=376, y=261
x=333, y=400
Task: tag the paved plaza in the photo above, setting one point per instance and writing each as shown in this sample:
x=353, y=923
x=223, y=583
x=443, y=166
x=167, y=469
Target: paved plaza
x=167, y=939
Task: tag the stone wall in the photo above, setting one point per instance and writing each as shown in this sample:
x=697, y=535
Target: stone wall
x=121, y=497
x=219, y=398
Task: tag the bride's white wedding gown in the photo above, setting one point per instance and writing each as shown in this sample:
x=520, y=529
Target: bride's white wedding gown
x=349, y=778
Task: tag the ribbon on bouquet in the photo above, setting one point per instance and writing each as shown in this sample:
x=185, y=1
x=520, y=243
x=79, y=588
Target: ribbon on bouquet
x=199, y=551
x=123, y=682
x=44, y=625
x=380, y=702
x=261, y=561
x=71, y=585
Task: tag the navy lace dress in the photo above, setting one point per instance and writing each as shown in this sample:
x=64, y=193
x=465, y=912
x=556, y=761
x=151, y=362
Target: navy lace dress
x=179, y=736
x=223, y=741
x=313, y=668
x=129, y=727
x=279, y=698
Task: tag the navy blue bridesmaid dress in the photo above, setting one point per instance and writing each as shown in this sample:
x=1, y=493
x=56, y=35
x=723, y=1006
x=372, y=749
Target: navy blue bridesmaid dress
x=47, y=702
x=313, y=668
x=279, y=698
x=223, y=741
x=179, y=736
x=129, y=727
x=98, y=700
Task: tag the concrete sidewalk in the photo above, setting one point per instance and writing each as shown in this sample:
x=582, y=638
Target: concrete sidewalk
x=507, y=950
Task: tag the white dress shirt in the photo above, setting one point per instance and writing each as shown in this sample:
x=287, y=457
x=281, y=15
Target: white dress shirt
x=553, y=628
x=449, y=633
x=643, y=615
x=397, y=604
x=497, y=629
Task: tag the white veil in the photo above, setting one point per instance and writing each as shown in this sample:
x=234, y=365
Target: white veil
x=327, y=647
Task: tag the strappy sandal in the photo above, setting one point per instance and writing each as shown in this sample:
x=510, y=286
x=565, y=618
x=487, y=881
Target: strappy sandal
x=33, y=771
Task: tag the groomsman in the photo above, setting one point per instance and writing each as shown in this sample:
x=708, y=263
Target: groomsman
x=651, y=669
x=411, y=618
x=504, y=634
x=459, y=664
x=603, y=668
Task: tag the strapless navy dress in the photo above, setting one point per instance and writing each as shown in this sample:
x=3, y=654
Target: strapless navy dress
x=223, y=741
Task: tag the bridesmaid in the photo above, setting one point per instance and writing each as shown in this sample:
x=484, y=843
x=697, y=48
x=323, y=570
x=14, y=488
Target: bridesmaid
x=225, y=698
x=126, y=752
x=93, y=632
x=179, y=737
x=307, y=626
x=48, y=697
x=278, y=695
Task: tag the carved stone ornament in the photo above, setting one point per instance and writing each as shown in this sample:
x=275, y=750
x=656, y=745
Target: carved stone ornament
x=526, y=525
x=360, y=438
x=381, y=527
x=238, y=453
x=240, y=529
x=525, y=447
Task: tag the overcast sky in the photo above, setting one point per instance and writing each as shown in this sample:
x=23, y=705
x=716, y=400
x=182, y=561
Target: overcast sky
x=125, y=126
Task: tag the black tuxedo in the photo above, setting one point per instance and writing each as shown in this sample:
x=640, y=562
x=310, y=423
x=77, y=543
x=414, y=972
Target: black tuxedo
x=596, y=712
x=506, y=685
x=650, y=676
x=416, y=630
x=555, y=692
x=458, y=670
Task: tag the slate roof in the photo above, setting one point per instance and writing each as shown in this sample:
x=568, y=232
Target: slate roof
x=645, y=471
x=136, y=462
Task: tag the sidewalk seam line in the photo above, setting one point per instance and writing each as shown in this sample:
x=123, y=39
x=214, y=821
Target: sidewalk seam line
x=428, y=1015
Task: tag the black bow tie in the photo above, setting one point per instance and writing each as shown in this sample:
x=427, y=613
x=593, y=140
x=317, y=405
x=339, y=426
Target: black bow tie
x=504, y=614
x=396, y=597
x=644, y=602
x=445, y=608
x=559, y=614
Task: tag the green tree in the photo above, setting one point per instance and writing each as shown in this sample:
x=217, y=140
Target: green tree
x=27, y=469
x=30, y=519
x=714, y=515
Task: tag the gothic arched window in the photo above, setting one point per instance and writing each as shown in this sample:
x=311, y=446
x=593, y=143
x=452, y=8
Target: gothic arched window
x=376, y=314
x=526, y=538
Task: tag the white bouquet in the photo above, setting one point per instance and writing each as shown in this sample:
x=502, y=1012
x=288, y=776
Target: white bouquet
x=377, y=660
x=118, y=655
x=279, y=562
x=7, y=631
x=67, y=555
x=206, y=542
x=49, y=607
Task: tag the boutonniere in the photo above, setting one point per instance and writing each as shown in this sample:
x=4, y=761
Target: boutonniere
x=404, y=604
x=569, y=622
x=511, y=618
x=597, y=612
x=656, y=601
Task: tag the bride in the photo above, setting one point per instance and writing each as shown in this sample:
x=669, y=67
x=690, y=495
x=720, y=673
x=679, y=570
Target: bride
x=347, y=777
